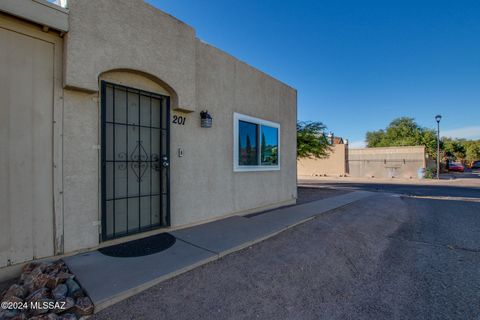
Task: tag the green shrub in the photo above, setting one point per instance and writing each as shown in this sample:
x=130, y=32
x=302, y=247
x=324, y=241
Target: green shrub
x=430, y=173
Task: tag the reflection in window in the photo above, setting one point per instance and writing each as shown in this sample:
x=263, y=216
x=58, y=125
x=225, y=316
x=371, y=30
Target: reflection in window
x=269, y=146
x=247, y=136
x=256, y=144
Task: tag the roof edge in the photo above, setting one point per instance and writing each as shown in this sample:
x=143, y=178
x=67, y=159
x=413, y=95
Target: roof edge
x=37, y=11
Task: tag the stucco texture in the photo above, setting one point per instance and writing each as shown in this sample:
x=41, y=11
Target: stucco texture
x=204, y=184
x=81, y=170
x=335, y=164
x=129, y=34
x=131, y=43
x=392, y=162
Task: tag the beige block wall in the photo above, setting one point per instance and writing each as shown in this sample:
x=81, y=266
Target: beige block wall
x=397, y=162
x=335, y=164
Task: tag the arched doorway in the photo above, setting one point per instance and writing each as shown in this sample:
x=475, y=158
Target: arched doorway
x=134, y=159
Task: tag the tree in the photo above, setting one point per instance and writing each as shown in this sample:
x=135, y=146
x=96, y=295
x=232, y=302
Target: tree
x=403, y=131
x=472, y=150
x=461, y=149
x=311, y=141
x=454, y=149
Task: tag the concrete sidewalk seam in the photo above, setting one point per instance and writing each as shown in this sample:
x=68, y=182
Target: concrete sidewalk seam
x=197, y=246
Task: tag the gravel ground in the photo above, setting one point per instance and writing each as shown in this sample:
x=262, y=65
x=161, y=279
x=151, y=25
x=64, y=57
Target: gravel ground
x=384, y=257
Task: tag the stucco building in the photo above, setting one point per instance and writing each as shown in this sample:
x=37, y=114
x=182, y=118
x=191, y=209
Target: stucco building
x=100, y=128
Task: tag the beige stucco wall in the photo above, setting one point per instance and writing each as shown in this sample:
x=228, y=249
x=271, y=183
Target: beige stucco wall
x=129, y=34
x=397, y=162
x=205, y=174
x=335, y=164
x=157, y=53
x=203, y=183
x=80, y=169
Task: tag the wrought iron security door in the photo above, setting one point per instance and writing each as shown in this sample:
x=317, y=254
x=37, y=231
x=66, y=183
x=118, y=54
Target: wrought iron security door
x=135, y=161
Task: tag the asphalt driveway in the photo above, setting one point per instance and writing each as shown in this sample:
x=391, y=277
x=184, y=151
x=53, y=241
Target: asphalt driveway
x=384, y=257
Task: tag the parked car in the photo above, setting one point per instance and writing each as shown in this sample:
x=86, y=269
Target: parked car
x=475, y=164
x=456, y=166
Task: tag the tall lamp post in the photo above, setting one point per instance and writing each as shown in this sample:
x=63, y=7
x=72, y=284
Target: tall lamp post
x=438, y=118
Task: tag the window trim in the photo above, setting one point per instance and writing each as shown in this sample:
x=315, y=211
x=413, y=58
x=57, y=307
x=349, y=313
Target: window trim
x=237, y=117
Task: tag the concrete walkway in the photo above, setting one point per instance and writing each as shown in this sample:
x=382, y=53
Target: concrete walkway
x=108, y=280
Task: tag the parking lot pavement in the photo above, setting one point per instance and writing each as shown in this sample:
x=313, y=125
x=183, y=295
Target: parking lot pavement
x=384, y=257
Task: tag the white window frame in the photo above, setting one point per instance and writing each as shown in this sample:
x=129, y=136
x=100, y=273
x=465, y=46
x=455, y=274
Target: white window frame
x=238, y=168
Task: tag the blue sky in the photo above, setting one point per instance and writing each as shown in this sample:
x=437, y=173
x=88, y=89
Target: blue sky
x=357, y=65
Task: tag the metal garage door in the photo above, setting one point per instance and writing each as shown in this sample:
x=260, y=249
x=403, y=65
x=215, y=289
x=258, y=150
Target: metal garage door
x=26, y=147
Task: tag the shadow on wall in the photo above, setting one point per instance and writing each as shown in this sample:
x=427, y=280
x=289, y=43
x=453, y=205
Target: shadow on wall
x=141, y=80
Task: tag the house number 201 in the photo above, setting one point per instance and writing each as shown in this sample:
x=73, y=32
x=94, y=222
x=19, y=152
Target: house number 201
x=179, y=120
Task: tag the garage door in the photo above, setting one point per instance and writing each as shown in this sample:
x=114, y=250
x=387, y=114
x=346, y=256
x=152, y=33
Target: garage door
x=26, y=137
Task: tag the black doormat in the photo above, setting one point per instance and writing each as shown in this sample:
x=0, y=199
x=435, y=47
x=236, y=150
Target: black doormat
x=140, y=247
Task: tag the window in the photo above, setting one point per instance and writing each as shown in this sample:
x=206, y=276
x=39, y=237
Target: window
x=248, y=151
x=256, y=144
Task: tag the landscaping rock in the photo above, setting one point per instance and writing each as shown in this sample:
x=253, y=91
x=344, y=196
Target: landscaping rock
x=12, y=299
x=60, y=292
x=83, y=306
x=50, y=316
x=8, y=314
x=40, y=281
x=52, y=281
x=42, y=302
x=21, y=316
x=55, y=268
x=15, y=290
x=67, y=304
x=67, y=316
x=48, y=284
x=29, y=267
x=38, y=294
x=63, y=276
x=74, y=289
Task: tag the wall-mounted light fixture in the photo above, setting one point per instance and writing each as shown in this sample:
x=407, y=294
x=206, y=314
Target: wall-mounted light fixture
x=205, y=119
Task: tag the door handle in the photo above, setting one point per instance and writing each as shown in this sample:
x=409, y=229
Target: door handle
x=165, y=162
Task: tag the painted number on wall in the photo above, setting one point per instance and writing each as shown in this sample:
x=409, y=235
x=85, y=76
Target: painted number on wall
x=179, y=120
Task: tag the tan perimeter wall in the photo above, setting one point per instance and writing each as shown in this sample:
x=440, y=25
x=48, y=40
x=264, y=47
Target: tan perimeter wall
x=335, y=164
x=394, y=162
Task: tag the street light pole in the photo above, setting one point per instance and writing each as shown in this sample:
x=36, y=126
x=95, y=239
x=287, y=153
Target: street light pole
x=438, y=118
